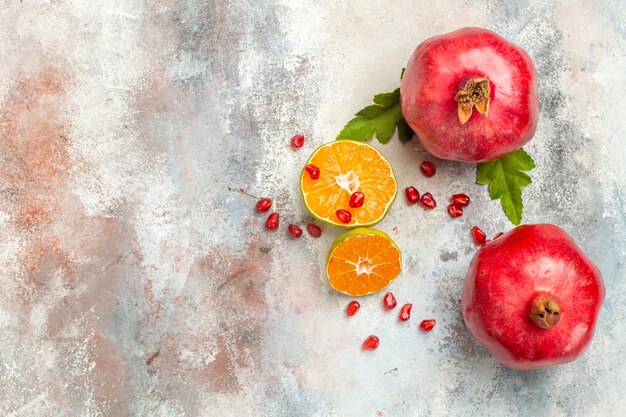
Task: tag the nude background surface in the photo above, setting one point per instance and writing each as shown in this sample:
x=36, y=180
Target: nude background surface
x=136, y=280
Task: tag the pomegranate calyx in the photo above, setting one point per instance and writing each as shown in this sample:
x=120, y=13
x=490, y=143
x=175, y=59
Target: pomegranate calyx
x=545, y=311
x=475, y=93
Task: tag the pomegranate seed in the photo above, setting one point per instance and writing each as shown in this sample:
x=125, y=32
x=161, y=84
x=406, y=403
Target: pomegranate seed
x=460, y=200
x=357, y=199
x=272, y=221
x=294, y=230
x=352, y=308
x=455, y=211
x=412, y=195
x=428, y=201
x=264, y=204
x=371, y=343
x=478, y=235
x=314, y=172
x=428, y=169
x=297, y=141
x=427, y=325
x=314, y=230
x=405, y=312
x=390, y=301
x=344, y=216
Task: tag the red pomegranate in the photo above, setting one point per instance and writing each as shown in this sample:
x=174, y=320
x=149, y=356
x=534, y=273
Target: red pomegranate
x=532, y=297
x=470, y=95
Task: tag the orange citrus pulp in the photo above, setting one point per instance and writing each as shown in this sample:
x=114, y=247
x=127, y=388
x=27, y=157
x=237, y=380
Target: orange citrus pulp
x=362, y=262
x=346, y=167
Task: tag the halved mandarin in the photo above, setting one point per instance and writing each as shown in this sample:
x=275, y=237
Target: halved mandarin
x=363, y=261
x=346, y=167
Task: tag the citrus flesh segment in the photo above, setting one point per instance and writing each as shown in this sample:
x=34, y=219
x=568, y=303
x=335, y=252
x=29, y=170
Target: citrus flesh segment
x=346, y=167
x=363, y=261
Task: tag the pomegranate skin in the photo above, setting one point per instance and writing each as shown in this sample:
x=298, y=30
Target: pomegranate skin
x=504, y=278
x=440, y=67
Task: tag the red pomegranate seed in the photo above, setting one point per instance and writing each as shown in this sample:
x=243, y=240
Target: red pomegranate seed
x=297, y=141
x=314, y=172
x=428, y=201
x=352, y=308
x=390, y=301
x=455, y=211
x=479, y=236
x=371, y=343
x=412, y=195
x=272, y=221
x=405, y=312
x=427, y=325
x=314, y=230
x=357, y=199
x=428, y=169
x=264, y=204
x=294, y=230
x=344, y=216
x=461, y=200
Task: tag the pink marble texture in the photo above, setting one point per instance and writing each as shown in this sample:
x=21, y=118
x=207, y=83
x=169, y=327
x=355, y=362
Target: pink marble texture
x=136, y=278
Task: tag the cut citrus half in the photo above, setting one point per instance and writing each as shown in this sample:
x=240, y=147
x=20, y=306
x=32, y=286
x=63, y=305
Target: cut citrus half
x=363, y=261
x=345, y=167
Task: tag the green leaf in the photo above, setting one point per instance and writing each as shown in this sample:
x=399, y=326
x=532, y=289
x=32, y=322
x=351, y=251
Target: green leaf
x=405, y=133
x=388, y=99
x=506, y=179
x=372, y=111
x=379, y=119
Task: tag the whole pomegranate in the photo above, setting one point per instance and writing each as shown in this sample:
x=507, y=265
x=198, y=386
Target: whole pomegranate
x=451, y=75
x=532, y=297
